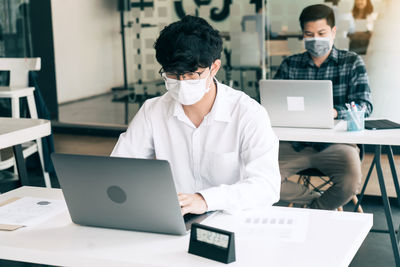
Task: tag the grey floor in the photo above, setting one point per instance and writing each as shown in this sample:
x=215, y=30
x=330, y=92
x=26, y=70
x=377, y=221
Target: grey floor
x=96, y=110
x=376, y=249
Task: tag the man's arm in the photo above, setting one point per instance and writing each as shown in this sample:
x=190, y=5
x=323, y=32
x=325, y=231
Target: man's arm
x=358, y=89
x=261, y=183
x=137, y=141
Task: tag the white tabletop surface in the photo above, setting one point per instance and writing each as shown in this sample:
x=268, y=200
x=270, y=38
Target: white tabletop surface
x=17, y=131
x=339, y=135
x=332, y=239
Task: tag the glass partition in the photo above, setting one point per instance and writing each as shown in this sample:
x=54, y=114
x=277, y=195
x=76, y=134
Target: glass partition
x=116, y=69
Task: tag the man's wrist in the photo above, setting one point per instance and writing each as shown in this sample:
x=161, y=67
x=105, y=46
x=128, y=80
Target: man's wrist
x=203, y=199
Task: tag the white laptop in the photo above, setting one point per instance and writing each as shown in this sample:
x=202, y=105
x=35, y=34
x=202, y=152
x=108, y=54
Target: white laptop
x=298, y=103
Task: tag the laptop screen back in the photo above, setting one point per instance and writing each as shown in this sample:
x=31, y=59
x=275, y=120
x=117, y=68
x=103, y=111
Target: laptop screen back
x=123, y=193
x=298, y=103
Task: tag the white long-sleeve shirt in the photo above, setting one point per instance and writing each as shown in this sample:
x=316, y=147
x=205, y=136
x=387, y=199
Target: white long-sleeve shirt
x=231, y=159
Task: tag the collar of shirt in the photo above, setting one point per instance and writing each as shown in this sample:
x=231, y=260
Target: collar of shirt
x=334, y=56
x=221, y=110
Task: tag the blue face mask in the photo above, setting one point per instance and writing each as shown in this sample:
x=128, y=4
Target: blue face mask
x=318, y=46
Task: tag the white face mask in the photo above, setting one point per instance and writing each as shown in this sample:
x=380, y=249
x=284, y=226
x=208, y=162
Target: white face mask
x=187, y=92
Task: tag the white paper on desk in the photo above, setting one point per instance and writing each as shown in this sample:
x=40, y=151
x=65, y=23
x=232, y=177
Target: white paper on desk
x=288, y=225
x=284, y=225
x=29, y=211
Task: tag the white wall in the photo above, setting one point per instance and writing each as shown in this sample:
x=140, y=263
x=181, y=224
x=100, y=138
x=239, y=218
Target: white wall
x=382, y=61
x=87, y=44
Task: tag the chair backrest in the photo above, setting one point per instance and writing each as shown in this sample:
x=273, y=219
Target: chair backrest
x=19, y=69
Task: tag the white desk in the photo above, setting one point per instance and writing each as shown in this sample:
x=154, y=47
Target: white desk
x=378, y=138
x=60, y=242
x=14, y=132
x=339, y=135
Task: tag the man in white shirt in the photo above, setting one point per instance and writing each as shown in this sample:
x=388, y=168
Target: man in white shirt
x=218, y=141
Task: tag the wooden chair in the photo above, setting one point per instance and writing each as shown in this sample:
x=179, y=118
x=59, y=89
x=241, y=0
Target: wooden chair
x=18, y=88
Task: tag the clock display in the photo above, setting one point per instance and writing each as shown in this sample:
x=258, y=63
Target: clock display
x=213, y=238
x=212, y=243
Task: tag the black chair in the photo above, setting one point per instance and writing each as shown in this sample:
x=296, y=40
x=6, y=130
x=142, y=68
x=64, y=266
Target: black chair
x=305, y=179
x=8, y=181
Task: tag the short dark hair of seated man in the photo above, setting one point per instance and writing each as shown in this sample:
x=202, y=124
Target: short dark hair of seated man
x=317, y=12
x=187, y=45
x=346, y=70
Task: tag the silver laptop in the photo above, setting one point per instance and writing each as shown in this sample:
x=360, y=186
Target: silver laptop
x=298, y=103
x=122, y=193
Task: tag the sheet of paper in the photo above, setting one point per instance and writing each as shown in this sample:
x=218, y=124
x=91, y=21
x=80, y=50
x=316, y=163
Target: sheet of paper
x=295, y=103
x=289, y=225
x=29, y=211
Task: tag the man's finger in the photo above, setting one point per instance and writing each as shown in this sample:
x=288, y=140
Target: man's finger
x=184, y=202
x=182, y=196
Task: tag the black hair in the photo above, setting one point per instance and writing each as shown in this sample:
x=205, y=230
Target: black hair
x=317, y=12
x=188, y=44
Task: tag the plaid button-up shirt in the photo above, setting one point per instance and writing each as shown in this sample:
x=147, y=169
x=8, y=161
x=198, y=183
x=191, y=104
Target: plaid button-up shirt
x=347, y=72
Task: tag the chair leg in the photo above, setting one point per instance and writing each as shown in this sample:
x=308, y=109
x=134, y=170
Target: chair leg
x=33, y=112
x=355, y=201
x=340, y=208
x=15, y=107
x=45, y=174
x=32, y=106
x=291, y=205
x=15, y=114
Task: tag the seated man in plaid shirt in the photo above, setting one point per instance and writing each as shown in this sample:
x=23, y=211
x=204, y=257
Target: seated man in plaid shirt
x=346, y=70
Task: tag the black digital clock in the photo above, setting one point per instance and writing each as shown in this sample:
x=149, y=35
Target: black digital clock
x=212, y=243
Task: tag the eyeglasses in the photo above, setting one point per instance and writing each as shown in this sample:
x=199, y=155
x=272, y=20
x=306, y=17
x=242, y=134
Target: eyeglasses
x=191, y=77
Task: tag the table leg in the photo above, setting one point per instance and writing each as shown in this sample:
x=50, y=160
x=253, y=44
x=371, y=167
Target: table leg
x=394, y=173
x=386, y=204
x=241, y=81
x=127, y=110
x=20, y=162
